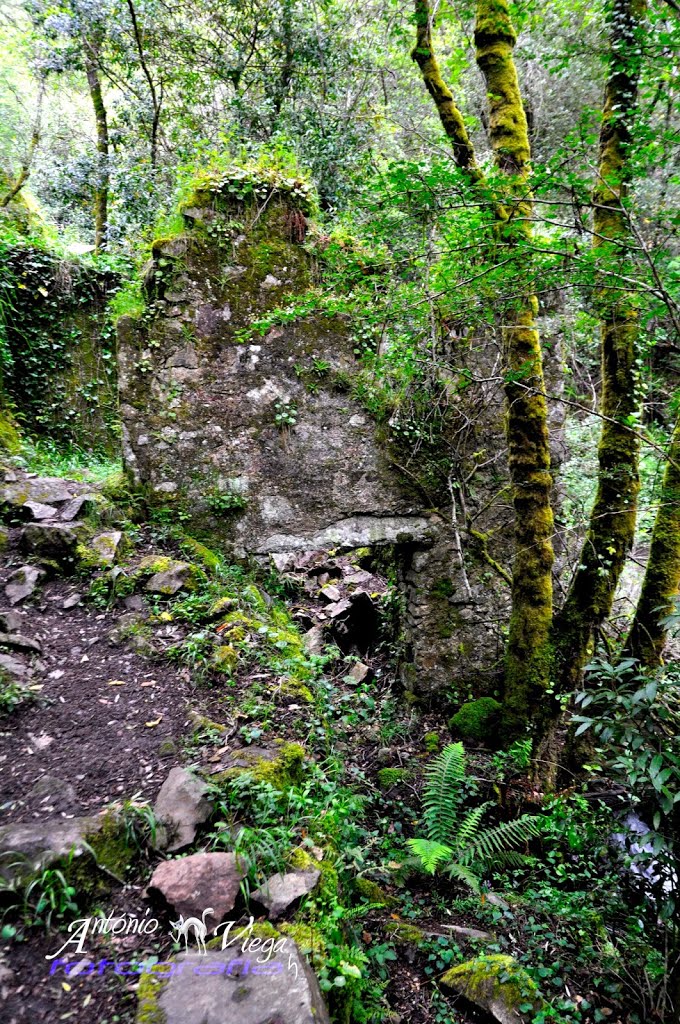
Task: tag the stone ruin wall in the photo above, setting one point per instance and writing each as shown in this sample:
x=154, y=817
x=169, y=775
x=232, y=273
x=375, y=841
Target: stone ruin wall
x=200, y=407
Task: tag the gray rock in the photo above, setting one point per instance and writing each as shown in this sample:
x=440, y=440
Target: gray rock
x=82, y=504
x=12, y=622
x=198, y=882
x=279, y=891
x=13, y=667
x=181, y=806
x=53, y=540
x=470, y=933
x=36, y=511
x=19, y=642
x=60, y=795
x=235, y=987
x=331, y=593
x=356, y=532
x=29, y=847
x=72, y=601
x=314, y=640
x=22, y=583
x=105, y=547
x=44, y=489
x=358, y=672
x=170, y=580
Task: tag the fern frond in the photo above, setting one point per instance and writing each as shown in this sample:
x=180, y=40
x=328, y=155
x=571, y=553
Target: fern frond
x=510, y=859
x=492, y=841
x=470, y=826
x=443, y=776
x=430, y=854
x=463, y=874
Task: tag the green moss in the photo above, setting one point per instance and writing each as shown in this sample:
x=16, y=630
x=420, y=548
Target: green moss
x=477, y=719
x=112, y=853
x=373, y=893
x=282, y=772
x=207, y=558
x=293, y=687
x=496, y=978
x=405, y=934
x=149, y=991
x=10, y=438
x=111, y=846
x=309, y=941
x=220, y=607
x=431, y=742
x=225, y=659
x=329, y=883
x=388, y=777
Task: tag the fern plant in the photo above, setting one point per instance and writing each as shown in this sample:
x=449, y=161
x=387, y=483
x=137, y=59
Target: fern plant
x=458, y=844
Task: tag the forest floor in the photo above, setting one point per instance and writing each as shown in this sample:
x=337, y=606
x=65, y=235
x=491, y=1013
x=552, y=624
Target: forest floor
x=109, y=709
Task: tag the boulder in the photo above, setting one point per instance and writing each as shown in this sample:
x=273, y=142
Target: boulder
x=181, y=806
x=56, y=541
x=233, y=987
x=19, y=642
x=498, y=985
x=201, y=881
x=22, y=583
x=44, y=489
x=58, y=794
x=103, y=549
x=36, y=511
x=314, y=640
x=32, y=846
x=12, y=622
x=13, y=667
x=81, y=505
x=170, y=580
x=358, y=673
x=279, y=891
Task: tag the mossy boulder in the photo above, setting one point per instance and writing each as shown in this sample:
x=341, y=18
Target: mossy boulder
x=498, y=985
x=329, y=884
x=405, y=934
x=281, y=768
x=388, y=777
x=294, y=688
x=225, y=659
x=478, y=720
x=373, y=893
x=201, y=554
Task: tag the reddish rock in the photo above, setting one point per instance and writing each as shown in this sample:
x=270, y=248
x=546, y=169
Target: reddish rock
x=195, y=883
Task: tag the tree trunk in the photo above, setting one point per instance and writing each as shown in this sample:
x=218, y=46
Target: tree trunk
x=101, y=193
x=449, y=115
x=647, y=635
x=25, y=169
x=528, y=654
x=155, y=94
x=528, y=659
x=611, y=529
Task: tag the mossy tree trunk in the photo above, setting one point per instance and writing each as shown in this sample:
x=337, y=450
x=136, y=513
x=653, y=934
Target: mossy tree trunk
x=647, y=635
x=528, y=659
x=91, y=49
x=449, y=114
x=528, y=653
x=611, y=528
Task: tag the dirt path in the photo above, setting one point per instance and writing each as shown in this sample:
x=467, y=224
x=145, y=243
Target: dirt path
x=107, y=722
